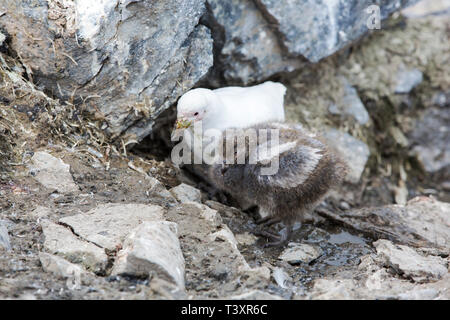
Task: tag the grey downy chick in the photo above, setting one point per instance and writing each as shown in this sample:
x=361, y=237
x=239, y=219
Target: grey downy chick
x=307, y=170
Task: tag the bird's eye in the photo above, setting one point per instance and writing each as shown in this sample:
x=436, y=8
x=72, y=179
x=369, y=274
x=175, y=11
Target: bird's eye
x=196, y=114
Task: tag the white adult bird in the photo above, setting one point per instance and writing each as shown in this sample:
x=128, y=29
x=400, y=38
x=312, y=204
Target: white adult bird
x=232, y=107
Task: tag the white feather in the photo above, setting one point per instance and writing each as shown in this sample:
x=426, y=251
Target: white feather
x=236, y=107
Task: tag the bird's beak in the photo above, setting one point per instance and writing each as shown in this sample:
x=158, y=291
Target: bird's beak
x=183, y=124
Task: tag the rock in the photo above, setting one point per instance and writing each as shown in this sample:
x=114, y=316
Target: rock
x=108, y=225
x=225, y=234
x=224, y=210
x=409, y=264
x=52, y=172
x=300, y=253
x=281, y=278
x=407, y=80
x=157, y=190
x=4, y=237
x=206, y=243
x=186, y=193
x=152, y=248
x=162, y=289
x=249, y=49
x=2, y=39
x=63, y=269
x=208, y=214
x=419, y=294
x=326, y=27
x=40, y=212
x=353, y=151
x=94, y=54
x=351, y=105
x=255, y=295
x=429, y=140
x=422, y=222
x=191, y=62
x=441, y=99
x=425, y=8
x=333, y=289
x=62, y=242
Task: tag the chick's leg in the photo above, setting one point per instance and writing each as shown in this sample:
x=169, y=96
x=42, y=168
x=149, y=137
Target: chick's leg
x=283, y=239
x=268, y=221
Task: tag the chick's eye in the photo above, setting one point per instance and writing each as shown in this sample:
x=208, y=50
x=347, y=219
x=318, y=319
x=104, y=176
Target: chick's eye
x=196, y=114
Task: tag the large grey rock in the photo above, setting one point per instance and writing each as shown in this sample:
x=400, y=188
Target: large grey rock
x=250, y=50
x=410, y=264
x=52, y=172
x=62, y=242
x=316, y=29
x=152, y=247
x=128, y=59
x=353, y=151
x=109, y=224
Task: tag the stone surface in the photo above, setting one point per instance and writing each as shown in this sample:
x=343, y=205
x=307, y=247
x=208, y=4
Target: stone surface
x=40, y=212
x=157, y=191
x=430, y=141
x=333, y=289
x=353, y=151
x=108, y=225
x=205, y=241
x=422, y=222
x=62, y=242
x=409, y=264
x=350, y=104
x=152, y=248
x=52, y=172
x=4, y=237
x=300, y=253
x=92, y=54
x=408, y=80
x=62, y=268
x=426, y=7
x=281, y=278
x=186, y=193
x=326, y=26
x=250, y=50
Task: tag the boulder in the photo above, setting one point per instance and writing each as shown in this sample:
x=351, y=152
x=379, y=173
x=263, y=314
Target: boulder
x=127, y=61
x=410, y=264
x=109, y=224
x=317, y=29
x=52, y=172
x=152, y=248
x=62, y=242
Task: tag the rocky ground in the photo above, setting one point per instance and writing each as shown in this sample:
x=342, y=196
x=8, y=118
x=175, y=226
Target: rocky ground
x=85, y=217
